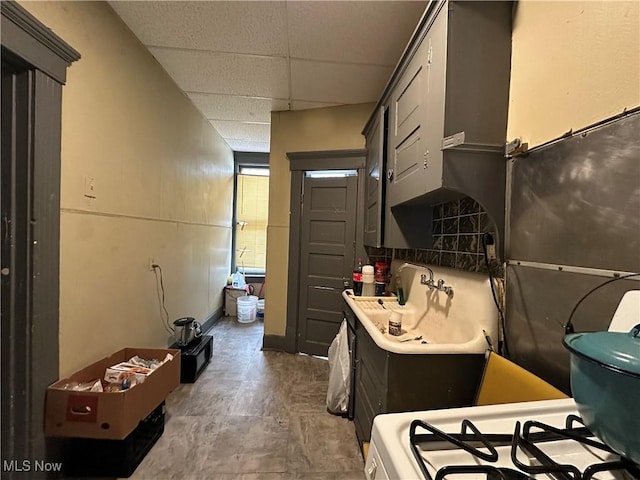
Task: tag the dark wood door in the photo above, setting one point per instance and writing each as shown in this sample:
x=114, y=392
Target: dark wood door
x=327, y=247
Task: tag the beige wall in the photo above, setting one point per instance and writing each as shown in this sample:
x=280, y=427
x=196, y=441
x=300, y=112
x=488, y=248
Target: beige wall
x=574, y=63
x=332, y=128
x=164, y=185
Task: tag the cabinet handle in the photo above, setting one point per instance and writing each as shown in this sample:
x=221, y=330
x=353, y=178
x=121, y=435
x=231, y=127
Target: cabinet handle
x=372, y=469
x=426, y=159
x=390, y=174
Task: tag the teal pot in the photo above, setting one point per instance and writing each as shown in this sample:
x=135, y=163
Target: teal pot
x=605, y=382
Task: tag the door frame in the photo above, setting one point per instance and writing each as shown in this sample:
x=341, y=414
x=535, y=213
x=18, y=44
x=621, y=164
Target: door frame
x=30, y=350
x=299, y=164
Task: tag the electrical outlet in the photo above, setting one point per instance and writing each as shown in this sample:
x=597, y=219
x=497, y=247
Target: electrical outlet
x=490, y=246
x=152, y=262
x=89, y=186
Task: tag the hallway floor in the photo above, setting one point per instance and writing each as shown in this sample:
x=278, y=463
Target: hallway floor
x=253, y=415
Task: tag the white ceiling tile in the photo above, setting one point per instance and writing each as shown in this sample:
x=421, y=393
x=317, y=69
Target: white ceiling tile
x=305, y=105
x=243, y=109
x=232, y=74
x=337, y=82
x=372, y=32
x=237, y=27
x=259, y=132
x=231, y=57
x=247, y=146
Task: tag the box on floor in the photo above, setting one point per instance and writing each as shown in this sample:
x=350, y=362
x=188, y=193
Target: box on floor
x=109, y=415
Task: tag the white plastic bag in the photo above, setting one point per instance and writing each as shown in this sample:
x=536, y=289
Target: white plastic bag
x=339, y=372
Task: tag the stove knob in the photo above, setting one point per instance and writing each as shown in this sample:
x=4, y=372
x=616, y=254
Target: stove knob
x=372, y=469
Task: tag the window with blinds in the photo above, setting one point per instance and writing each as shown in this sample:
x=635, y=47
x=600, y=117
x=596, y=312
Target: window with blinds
x=252, y=206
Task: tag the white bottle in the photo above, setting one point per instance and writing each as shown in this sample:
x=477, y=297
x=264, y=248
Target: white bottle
x=368, y=285
x=237, y=280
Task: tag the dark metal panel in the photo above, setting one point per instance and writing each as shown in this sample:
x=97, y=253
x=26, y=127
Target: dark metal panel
x=538, y=306
x=573, y=202
x=577, y=201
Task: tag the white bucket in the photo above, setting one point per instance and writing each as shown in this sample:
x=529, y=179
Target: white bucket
x=260, y=314
x=247, y=308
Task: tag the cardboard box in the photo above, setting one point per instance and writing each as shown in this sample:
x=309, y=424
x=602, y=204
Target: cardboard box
x=109, y=415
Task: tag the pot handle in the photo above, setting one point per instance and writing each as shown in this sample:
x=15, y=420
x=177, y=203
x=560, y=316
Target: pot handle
x=568, y=328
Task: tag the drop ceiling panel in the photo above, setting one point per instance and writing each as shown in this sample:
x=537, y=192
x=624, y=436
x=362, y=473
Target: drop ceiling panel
x=305, y=105
x=231, y=74
x=337, y=82
x=259, y=132
x=236, y=27
x=358, y=32
x=240, y=60
x=247, y=146
x=230, y=107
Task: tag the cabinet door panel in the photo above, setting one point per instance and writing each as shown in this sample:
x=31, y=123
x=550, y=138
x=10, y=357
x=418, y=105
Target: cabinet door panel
x=406, y=158
x=363, y=415
x=374, y=356
x=435, y=45
x=407, y=150
x=408, y=103
x=374, y=186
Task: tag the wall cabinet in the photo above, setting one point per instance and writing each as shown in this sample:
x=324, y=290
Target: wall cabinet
x=447, y=105
x=375, y=185
x=387, y=382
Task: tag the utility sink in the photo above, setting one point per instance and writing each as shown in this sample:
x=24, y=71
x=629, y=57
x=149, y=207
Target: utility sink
x=434, y=321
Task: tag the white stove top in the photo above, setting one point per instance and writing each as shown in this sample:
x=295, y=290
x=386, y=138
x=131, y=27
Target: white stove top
x=390, y=440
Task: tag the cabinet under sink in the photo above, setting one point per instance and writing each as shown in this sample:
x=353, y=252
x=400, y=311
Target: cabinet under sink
x=387, y=382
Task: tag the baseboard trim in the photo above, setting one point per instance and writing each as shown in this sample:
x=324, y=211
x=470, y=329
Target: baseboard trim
x=212, y=320
x=274, y=342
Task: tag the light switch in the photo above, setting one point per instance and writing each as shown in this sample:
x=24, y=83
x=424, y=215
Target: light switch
x=89, y=187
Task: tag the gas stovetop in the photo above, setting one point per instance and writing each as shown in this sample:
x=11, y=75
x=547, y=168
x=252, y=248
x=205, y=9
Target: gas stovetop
x=532, y=440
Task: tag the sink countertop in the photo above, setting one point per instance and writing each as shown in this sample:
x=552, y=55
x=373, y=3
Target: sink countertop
x=450, y=323
x=394, y=344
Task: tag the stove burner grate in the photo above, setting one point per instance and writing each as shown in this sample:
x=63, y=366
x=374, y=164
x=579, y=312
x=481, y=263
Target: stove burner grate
x=526, y=439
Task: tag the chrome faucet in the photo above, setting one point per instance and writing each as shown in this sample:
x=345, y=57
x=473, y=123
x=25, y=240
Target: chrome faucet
x=429, y=283
x=439, y=285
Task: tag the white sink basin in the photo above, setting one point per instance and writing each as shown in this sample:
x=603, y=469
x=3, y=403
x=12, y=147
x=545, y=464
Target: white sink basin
x=448, y=324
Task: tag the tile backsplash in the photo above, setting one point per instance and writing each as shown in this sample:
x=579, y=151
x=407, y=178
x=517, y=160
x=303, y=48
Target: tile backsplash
x=458, y=227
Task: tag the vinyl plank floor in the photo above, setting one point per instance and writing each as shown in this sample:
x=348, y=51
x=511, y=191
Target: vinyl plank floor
x=253, y=415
